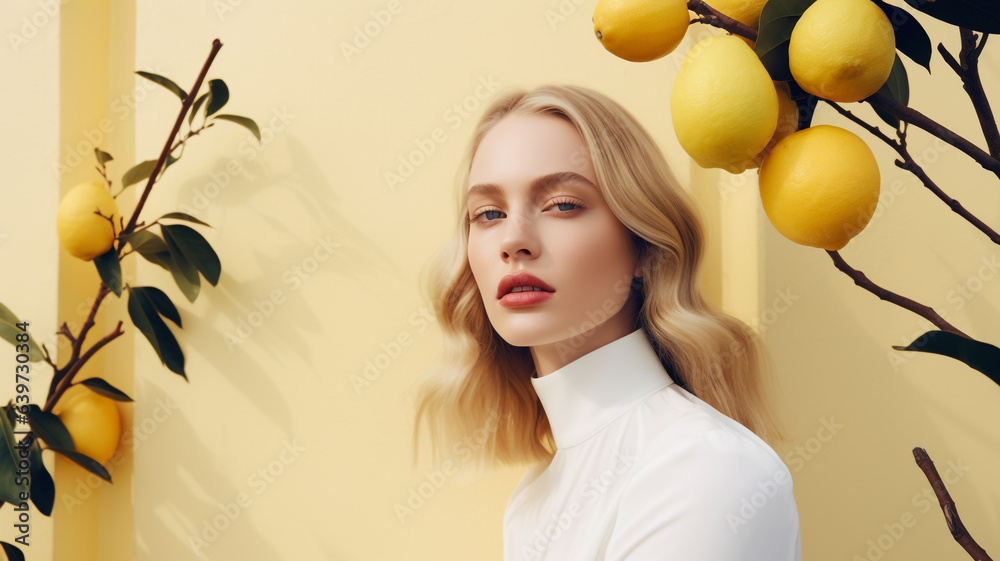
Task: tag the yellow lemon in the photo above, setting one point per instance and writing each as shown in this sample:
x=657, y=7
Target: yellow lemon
x=788, y=120
x=86, y=235
x=92, y=420
x=820, y=186
x=723, y=104
x=640, y=30
x=842, y=50
x=746, y=12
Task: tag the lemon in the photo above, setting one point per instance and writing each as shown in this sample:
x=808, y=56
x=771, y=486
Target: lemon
x=92, y=420
x=842, y=50
x=723, y=103
x=86, y=235
x=640, y=30
x=820, y=186
x=746, y=12
x=788, y=120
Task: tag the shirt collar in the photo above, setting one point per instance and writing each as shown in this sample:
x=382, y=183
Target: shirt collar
x=583, y=396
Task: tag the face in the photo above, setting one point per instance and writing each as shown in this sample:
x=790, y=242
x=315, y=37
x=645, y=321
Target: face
x=535, y=207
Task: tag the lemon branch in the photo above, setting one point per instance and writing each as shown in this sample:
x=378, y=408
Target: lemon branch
x=909, y=164
x=864, y=282
x=715, y=18
x=955, y=525
x=967, y=68
x=185, y=105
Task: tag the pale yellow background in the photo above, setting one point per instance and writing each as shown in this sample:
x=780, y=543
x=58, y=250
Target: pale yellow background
x=334, y=125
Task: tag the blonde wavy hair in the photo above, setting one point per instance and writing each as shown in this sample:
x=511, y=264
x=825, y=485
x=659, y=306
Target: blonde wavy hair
x=478, y=399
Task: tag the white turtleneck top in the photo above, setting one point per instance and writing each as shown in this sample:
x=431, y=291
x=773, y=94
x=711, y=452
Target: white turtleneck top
x=644, y=470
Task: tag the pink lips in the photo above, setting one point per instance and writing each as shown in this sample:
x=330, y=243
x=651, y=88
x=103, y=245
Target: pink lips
x=523, y=298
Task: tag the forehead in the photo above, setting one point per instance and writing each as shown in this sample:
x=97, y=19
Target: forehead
x=523, y=146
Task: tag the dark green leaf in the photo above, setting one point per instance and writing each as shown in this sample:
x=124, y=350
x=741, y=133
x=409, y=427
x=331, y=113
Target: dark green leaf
x=911, y=38
x=185, y=273
x=773, y=32
x=244, y=121
x=196, y=107
x=978, y=355
x=977, y=15
x=146, y=318
x=42, y=489
x=145, y=242
x=86, y=462
x=12, y=551
x=102, y=156
x=165, y=82
x=110, y=270
x=138, y=172
x=195, y=248
x=219, y=95
x=49, y=428
x=161, y=302
x=107, y=390
x=897, y=86
x=169, y=161
x=183, y=216
x=806, y=103
x=9, y=489
x=161, y=258
x=9, y=331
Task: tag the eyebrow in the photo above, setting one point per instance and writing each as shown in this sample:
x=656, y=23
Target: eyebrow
x=488, y=189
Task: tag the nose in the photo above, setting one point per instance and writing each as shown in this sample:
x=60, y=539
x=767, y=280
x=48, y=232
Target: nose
x=519, y=239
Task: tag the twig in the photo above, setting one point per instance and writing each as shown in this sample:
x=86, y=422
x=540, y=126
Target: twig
x=955, y=525
x=967, y=68
x=216, y=45
x=67, y=379
x=918, y=119
x=909, y=164
x=916, y=307
x=715, y=18
x=77, y=341
x=48, y=357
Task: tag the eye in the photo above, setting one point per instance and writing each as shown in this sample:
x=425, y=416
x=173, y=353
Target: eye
x=561, y=204
x=481, y=213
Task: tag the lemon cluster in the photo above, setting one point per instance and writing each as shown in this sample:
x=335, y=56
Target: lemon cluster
x=819, y=186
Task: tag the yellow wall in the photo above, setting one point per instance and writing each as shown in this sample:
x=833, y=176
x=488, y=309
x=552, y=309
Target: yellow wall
x=273, y=450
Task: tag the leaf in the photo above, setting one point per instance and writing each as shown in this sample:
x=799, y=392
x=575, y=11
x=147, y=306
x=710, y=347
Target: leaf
x=146, y=318
x=977, y=15
x=162, y=303
x=244, y=121
x=9, y=489
x=183, y=216
x=196, y=107
x=978, y=355
x=9, y=331
x=12, y=551
x=773, y=32
x=898, y=88
x=911, y=38
x=42, y=489
x=165, y=82
x=219, y=95
x=806, y=103
x=195, y=249
x=102, y=156
x=110, y=270
x=161, y=258
x=145, y=242
x=138, y=172
x=49, y=428
x=185, y=273
x=86, y=462
x=102, y=387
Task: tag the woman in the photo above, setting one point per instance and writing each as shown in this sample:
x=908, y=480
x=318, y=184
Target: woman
x=577, y=339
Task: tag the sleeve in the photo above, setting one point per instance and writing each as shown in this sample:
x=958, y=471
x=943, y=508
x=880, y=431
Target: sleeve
x=711, y=497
